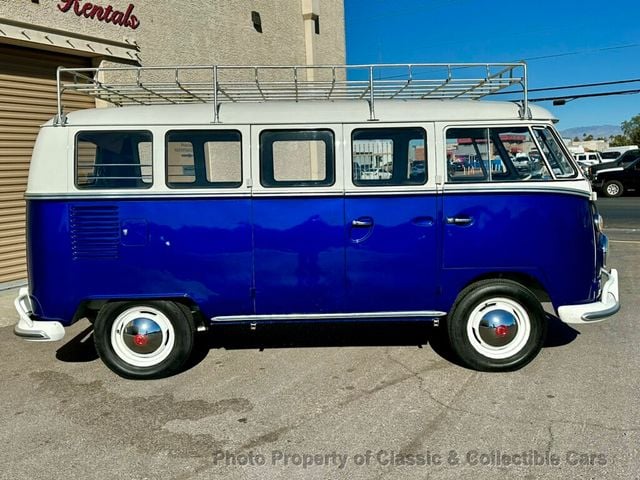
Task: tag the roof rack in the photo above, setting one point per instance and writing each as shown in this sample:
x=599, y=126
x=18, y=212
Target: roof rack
x=216, y=84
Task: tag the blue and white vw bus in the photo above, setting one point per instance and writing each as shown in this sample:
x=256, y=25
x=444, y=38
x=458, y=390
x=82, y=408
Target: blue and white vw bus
x=323, y=199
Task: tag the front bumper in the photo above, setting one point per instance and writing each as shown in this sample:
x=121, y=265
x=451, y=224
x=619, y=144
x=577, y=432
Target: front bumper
x=608, y=304
x=34, y=330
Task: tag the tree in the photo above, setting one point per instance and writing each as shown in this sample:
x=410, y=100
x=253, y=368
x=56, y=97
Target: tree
x=631, y=129
x=576, y=139
x=618, y=141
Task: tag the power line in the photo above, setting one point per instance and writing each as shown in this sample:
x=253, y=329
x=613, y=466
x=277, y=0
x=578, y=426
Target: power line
x=581, y=52
x=568, y=98
x=567, y=87
x=585, y=85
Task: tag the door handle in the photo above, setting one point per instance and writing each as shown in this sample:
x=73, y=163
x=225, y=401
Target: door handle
x=363, y=222
x=459, y=220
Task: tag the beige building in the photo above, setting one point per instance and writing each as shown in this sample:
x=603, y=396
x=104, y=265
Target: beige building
x=36, y=36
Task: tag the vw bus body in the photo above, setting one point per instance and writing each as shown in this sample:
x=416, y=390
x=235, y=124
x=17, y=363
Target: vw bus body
x=157, y=221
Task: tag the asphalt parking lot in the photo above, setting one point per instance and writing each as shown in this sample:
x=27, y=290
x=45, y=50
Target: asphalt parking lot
x=365, y=401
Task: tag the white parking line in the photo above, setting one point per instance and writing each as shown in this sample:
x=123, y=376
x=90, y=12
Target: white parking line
x=624, y=241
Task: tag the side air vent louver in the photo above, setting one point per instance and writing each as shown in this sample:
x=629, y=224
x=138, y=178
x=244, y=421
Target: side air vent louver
x=95, y=232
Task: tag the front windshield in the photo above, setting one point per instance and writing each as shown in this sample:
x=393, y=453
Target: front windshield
x=558, y=160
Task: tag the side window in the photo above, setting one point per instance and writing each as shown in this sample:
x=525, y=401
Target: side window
x=467, y=154
x=203, y=158
x=627, y=158
x=295, y=158
x=115, y=160
x=500, y=154
x=388, y=156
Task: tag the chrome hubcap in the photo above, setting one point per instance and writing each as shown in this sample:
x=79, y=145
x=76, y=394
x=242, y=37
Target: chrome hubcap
x=612, y=189
x=142, y=336
x=498, y=328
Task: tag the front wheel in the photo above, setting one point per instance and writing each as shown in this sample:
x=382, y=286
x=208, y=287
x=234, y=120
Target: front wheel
x=612, y=188
x=496, y=325
x=145, y=339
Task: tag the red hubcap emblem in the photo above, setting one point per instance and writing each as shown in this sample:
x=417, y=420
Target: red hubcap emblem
x=501, y=330
x=140, y=340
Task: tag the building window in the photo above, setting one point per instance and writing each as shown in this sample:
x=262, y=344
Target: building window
x=257, y=21
x=204, y=159
x=297, y=158
x=316, y=25
x=114, y=160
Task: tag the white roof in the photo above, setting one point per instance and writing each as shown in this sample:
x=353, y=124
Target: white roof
x=287, y=112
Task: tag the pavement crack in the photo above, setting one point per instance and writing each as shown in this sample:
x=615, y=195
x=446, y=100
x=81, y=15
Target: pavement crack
x=431, y=426
x=551, y=439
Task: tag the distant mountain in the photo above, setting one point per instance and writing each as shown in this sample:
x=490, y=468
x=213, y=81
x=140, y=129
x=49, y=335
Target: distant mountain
x=596, y=130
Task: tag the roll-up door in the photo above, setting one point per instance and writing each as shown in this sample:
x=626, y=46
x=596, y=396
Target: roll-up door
x=27, y=100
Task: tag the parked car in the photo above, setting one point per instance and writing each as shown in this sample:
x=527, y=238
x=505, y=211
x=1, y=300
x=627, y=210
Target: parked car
x=613, y=153
x=375, y=174
x=614, y=181
x=417, y=169
x=588, y=159
x=622, y=161
x=522, y=162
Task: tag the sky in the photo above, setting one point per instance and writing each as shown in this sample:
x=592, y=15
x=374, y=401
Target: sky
x=564, y=42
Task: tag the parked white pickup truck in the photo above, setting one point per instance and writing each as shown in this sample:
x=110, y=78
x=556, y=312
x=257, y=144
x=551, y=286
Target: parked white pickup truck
x=588, y=159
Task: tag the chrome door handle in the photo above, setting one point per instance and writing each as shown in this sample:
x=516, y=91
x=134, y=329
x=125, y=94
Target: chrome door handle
x=459, y=220
x=362, y=222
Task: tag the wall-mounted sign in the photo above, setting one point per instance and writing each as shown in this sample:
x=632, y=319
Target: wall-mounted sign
x=106, y=14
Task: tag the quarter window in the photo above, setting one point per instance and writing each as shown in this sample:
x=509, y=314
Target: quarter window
x=557, y=158
x=293, y=158
x=388, y=156
x=204, y=159
x=114, y=160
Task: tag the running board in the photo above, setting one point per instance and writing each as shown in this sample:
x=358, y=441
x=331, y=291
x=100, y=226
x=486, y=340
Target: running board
x=329, y=316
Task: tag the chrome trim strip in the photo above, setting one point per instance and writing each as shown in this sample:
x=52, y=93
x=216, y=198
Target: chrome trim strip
x=130, y=196
x=520, y=189
x=449, y=188
x=330, y=316
x=387, y=191
x=605, y=170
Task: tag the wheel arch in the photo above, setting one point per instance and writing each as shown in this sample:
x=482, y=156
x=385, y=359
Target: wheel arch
x=89, y=308
x=526, y=280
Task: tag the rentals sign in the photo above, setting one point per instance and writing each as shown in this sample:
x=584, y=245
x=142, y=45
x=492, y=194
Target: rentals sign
x=103, y=14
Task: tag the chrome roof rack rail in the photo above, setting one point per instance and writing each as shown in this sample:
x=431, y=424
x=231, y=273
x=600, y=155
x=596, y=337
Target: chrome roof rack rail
x=217, y=84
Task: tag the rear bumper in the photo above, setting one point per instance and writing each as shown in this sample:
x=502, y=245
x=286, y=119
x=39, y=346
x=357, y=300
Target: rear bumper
x=31, y=329
x=608, y=304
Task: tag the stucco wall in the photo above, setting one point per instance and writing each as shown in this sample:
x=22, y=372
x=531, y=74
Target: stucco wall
x=202, y=31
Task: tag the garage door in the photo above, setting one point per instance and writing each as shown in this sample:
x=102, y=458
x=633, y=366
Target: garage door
x=27, y=100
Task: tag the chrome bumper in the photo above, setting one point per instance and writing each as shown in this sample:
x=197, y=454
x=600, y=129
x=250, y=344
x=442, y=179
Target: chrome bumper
x=608, y=304
x=30, y=329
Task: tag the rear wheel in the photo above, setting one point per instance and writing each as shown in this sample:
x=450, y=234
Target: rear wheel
x=612, y=188
x=496, y=325
x=146, y=339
